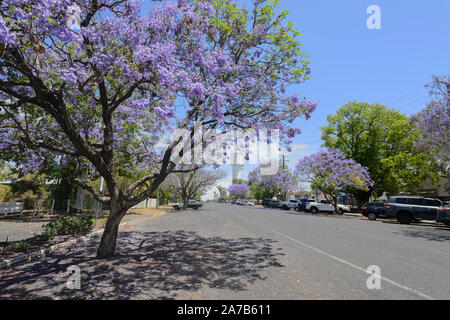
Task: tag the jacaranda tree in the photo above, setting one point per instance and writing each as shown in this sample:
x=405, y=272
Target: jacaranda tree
x=279, y=184
x=331, y=172
x=239, y=190
x=102, y=94
x=434, y=122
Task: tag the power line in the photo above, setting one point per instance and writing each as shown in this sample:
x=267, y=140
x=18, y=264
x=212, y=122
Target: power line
x=408, y=94
x=410, y=105
x=411, y=99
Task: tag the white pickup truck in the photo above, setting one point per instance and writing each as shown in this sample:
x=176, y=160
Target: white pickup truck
x=325, y=206
x=194, y=204
x=286, y=205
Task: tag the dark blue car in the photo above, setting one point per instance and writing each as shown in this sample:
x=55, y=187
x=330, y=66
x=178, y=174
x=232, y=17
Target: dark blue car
x=373, y=210
x=443, y=215
x=301, y=204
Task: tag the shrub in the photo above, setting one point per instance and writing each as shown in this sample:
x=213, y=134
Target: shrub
x=69, y=226
x=19, y=246
x=28, y=189
x=4, y=192
x=59, y=226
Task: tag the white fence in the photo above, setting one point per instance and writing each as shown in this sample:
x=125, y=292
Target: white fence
x=10, y=207
x=147, y=203
x=52, y=205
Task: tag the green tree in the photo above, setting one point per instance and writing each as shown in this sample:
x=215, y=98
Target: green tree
x=383, y=140
x=223, y=194
x=260, y=192
x=6, y=171
x=28, y=189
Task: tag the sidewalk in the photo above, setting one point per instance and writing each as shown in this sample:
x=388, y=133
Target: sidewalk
x=132, y=218
x=387, y=220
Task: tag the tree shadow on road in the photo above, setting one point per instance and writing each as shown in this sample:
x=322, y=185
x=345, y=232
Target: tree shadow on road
x=431, y=233
x=148, y=265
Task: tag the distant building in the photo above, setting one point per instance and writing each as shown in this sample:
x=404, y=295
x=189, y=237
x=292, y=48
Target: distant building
x=441, y=190
x=310, y=195
x=426, y=189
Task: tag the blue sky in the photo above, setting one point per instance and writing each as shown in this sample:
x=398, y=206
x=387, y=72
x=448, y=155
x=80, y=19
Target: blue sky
x=350, y=62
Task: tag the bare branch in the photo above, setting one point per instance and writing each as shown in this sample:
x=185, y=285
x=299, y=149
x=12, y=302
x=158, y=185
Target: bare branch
x=96, y=194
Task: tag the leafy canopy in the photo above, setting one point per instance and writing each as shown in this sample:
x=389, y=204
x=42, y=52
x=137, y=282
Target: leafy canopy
x=381, y=139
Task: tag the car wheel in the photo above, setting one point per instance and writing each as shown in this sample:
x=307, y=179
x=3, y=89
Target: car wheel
x=372, y=216
x=340, y=211
x=314, y=210
x=404, y=218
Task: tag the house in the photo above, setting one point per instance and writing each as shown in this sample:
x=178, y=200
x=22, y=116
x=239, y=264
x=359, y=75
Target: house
x=441, y=190
x=309, y=195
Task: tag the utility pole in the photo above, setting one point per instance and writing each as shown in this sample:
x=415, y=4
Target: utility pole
x=81, y=192
x=99, y=204
x=157, y=199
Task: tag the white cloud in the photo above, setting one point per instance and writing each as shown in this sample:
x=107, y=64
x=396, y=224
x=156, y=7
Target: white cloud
x=298, y=151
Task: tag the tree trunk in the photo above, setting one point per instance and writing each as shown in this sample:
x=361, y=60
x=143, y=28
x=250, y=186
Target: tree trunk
x=107, y=246
x=362, y=197
x=184, y=198
x=335, y=204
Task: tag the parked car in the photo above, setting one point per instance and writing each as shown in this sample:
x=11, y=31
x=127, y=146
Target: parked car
x=193, y=204
x=325, y=206
x=273, y=204
x=373, y=210
x=177, y=205
x=239, y=202
x=301, y=205
x=233, y=201
x=407, y=209
x=247, y=203
x=443, y=215
x=265, y=202
x=287, y=205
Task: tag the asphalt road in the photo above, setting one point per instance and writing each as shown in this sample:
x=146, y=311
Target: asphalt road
x=18, y=228
x=225, y=251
